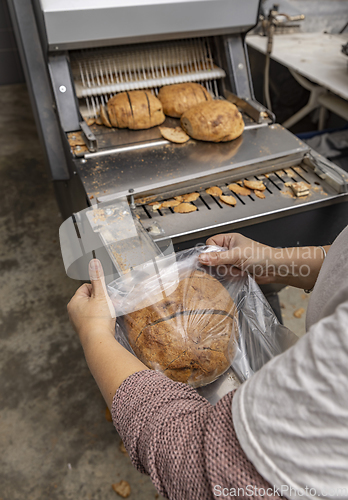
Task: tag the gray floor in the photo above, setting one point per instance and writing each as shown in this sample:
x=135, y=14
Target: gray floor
x=55, y=442
x=294, y=300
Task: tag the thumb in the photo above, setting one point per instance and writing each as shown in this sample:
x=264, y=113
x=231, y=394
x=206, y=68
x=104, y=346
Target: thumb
x=96, y=275
x=213, y=258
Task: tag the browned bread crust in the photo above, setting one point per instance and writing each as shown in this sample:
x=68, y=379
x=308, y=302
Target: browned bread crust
x=138, y=109
x=185, y=208
x=186, y=335
x=259, y=185
x=215, y=121
x=178, y=98
x=104, y=117
x=176, y=134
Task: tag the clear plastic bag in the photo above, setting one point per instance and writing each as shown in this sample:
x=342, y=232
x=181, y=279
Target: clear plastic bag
x=261, y=336
x=194, y=322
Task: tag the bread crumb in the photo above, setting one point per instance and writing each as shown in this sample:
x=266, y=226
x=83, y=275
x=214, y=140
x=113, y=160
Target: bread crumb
x=259, y=194
x=299, y=312
x=123, y=448
x=170, y=203
x=108, y=415
x=300, y=188
x=236, y=188
x=76, y=139
x=176, y=135
x=229, y=200
x=259, y=185
x=214, y=190
x=122, y=489
x=185, y=208
x=156, y=206
x=190, y=197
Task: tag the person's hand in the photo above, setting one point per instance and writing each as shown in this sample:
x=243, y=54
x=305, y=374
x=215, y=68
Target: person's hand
x=295, y=266
x=243, y=254
x=91, y=310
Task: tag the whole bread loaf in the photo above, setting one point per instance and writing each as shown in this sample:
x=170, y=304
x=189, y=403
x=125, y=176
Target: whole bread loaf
x=138, y=109
x=178, y=98
x=187, y=334
x=215, y=121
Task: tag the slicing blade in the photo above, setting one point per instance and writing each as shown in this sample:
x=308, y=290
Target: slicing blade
x=98, y=72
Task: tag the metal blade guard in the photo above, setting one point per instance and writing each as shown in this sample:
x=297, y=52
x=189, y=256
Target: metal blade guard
x=113, y=234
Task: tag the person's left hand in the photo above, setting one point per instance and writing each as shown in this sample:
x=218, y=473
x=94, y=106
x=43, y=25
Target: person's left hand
x=91, y=310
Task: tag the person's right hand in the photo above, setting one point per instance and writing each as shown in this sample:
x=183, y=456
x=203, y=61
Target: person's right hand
x=91, y=310
x=244, y=254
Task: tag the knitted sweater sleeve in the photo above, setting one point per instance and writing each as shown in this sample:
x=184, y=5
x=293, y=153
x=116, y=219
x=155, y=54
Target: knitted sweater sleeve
x=187, y=446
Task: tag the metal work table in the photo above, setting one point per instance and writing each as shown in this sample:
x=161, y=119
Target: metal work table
x=318, y=58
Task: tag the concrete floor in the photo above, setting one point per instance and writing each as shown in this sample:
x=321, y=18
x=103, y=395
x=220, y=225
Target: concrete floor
x=55, y=442
x=293, y=300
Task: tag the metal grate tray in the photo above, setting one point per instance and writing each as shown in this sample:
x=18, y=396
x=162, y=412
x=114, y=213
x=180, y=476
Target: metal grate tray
x=212, y=213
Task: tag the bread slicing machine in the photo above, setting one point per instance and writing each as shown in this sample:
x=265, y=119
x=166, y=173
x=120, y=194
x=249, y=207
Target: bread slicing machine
x=77, y=54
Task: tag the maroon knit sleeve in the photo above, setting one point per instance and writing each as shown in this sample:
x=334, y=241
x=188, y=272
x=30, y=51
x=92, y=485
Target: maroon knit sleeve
x=187, y=446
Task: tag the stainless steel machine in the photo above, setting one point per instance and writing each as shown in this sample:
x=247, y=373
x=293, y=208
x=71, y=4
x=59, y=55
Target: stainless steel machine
x=78, y=53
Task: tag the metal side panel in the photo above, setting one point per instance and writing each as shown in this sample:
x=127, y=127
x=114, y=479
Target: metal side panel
x=35, y=70
x=237, y=66
x=160, y=166
x=88, y=23
x=64, y=92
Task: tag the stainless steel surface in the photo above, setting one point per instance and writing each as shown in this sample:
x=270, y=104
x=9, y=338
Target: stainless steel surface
x=39, y=87
x=214, y=216
x=237, y=67
x=109, y=22
x=149, y=144
x=64, y=93
x=109, y=139
x=215, y=391
x=328, y=171
x=88, y=136
x=124, y=149
x=252, y=108
x=176, y=166
x=113, y=139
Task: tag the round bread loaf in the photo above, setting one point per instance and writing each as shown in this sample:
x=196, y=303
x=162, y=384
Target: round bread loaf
x=186, y=335
x=138, y=109
x=178, y=98
x=215, y=121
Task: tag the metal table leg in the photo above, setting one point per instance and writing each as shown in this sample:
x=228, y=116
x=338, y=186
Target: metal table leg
x=313, y=102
